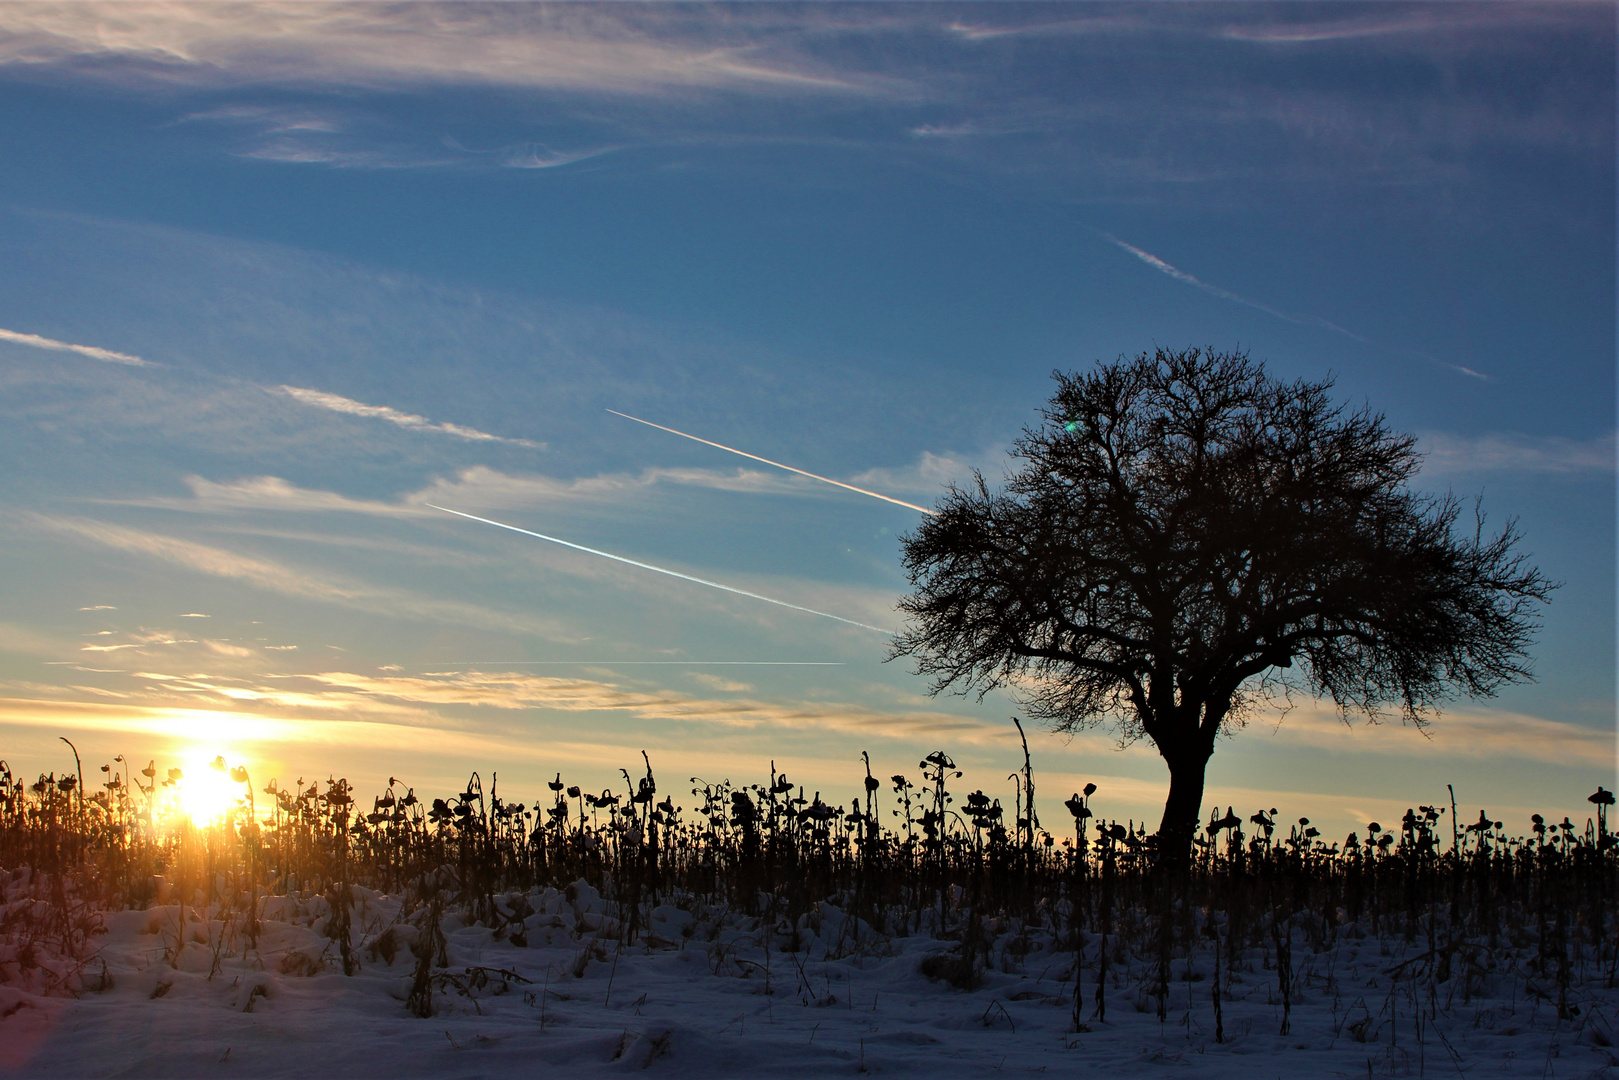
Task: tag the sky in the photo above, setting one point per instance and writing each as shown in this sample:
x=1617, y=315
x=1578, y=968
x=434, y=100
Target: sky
x=278, y=282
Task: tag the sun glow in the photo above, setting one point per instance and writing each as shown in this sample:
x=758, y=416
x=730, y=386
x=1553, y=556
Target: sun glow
x=205, y=790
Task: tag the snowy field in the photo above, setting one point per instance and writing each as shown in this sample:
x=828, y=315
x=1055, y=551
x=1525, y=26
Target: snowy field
x=699, y=997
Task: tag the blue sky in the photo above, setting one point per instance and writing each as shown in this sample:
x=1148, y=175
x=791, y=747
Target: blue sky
x=371, y=257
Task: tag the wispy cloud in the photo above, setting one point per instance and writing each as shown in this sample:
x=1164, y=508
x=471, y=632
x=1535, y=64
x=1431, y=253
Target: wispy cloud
x=1304, y=32
x=99, y=692
x=277, y=120
x=150, y=639
x=596, y=496
x=1506, y=452
x=1303, y=320
x=341, y=138
x=535, y=156
x=92, y=351
x=1447, y=19
x=519, y=691
x=482, y=486
x=493, y=488
x=719, y=682
x=964, y=130
x=581, y=49
x=168, y=727
x=1298, y=24
x=336, y=403
x=1469, y=733
x=1048, y=27
x=1102, y=121
x=289, y=581
x=464, y=714
x=214, y=727
x=271, y=493
x=302, y=152
x=463, y=710
x=325, y=587
x=144, y=639
x=931, y=473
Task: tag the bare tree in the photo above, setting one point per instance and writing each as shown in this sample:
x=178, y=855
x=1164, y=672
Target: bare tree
x=1186, y=533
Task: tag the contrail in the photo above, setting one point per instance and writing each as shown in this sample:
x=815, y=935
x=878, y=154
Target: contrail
x=779, y=465
x=1214, y=290
x=1301, y=320
x=91, y=351
x=659, y=569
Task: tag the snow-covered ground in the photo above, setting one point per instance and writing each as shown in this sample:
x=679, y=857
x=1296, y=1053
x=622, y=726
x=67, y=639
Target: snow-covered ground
x=699, y=997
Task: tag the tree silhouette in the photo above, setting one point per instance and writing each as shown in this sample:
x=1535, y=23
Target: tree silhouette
x=1186, y=534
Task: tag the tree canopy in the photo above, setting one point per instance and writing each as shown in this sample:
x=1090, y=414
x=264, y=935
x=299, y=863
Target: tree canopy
x=1182, y=532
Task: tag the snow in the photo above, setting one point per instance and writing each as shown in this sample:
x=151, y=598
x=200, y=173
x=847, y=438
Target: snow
x=697, y=996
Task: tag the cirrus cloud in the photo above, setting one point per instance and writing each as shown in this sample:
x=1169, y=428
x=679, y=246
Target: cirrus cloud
x=1449, y=454
x=580, y=48
x=320, y=399
x=94, y=352
x=286, y=580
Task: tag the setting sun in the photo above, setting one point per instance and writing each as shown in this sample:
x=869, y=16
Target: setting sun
x=204, y=791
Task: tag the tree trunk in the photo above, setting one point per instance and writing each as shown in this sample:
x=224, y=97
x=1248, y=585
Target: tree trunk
x=1183, y=810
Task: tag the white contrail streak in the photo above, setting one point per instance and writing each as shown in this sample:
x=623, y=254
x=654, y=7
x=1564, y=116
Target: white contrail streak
x=91, y=351
x=1214, y=290
x=1302, y=320
x=658, y=569
x=777, y=464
